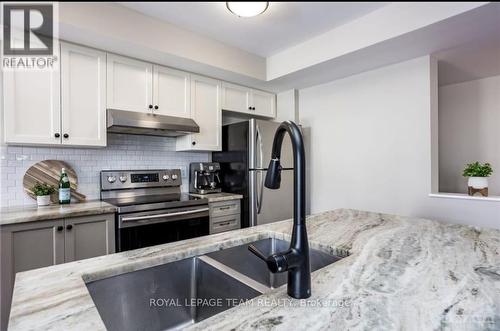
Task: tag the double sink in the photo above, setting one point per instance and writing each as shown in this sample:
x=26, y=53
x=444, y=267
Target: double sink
x=184, y=292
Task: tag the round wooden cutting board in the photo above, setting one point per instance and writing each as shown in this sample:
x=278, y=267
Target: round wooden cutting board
x=48, y=172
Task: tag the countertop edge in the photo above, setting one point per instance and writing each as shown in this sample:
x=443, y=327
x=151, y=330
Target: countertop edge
x=33, y=214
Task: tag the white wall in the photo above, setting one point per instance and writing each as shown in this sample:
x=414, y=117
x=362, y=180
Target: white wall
x=469, y=130
x=122, y=152
x=287, y=107
x=370, y=146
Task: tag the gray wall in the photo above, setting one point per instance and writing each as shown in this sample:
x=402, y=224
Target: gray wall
x=469, y=130
x=122, y=152
x=370, y=146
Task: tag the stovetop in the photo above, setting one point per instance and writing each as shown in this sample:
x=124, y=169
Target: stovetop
x=155, y=202
x=144, y=199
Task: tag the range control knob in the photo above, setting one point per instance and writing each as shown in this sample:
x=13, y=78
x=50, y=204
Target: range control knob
x=123, y=179
x=174, y=176
x=111, y=179
x=166, y=177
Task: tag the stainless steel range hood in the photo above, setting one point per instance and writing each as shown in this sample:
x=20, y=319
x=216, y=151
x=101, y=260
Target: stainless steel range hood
x=130, y=122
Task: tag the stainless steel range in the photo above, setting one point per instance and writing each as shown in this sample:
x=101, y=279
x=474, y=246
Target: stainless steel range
x=151, y=208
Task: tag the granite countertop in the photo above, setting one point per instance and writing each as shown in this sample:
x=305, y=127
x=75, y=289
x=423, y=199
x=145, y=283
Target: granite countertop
x=217, y=197
x=31, y=214
x=398, y=273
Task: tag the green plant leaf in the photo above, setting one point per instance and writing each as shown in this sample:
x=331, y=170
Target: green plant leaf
x=477, y=169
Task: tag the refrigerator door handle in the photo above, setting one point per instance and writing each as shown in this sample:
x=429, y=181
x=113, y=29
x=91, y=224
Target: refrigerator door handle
x=260, y=193
x=252, y=198
x=259, y=162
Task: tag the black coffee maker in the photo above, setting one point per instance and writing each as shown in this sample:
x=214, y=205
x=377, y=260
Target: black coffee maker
x=204, y=178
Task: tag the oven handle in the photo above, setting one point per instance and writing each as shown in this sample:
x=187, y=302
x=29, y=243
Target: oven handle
x=187, y=212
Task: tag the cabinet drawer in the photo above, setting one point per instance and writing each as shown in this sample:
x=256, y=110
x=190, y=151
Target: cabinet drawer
x=224, y=223
x=225, y=208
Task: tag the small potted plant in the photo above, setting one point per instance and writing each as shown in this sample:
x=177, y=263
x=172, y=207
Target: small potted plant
x=43, y=192
x=478, y=177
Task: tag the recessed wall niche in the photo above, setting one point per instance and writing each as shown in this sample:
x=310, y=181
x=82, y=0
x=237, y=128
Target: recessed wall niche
x=469, y=113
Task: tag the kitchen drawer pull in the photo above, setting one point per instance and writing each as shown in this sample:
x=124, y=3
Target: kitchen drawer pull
x=187, y=212
x=225, y=208
x=223, y=223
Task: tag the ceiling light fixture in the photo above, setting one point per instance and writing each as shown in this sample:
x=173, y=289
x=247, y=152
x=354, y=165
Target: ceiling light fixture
x=247, y=9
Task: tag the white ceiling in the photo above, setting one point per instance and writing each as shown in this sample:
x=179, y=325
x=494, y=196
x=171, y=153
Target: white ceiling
x=477, y=59
x=283, y=25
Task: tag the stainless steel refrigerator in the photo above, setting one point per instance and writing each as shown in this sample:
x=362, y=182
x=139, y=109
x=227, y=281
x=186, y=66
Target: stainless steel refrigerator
x=245, y=155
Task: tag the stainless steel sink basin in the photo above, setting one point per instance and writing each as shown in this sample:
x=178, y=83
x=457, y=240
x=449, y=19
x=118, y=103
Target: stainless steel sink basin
x=162, y=297
x=184, y=292
x=242, y=260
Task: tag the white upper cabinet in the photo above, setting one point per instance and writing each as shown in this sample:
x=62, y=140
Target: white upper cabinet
x=249, y=101
x=31, y=106
x=171, y=92
x=83, y=97
x=236, y=98
x=264, y=103
x=206, y=112
x=129, y=84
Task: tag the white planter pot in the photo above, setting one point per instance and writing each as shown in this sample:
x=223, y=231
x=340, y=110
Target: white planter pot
x=478, y=182
x=43, y=200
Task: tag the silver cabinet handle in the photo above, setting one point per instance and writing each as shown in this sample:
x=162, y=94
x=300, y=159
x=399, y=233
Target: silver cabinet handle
x=187, y=212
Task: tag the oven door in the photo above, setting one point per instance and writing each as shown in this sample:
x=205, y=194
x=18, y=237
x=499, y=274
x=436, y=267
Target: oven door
x=143, y=229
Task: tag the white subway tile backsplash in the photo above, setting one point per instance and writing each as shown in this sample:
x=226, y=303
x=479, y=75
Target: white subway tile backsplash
x=122, y=152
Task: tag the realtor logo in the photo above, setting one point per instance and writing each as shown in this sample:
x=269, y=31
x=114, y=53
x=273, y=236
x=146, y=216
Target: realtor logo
x=28, y=29
x=29, y=36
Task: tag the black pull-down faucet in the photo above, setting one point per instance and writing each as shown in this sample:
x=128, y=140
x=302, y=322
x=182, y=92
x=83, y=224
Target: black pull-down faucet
x=296, y=259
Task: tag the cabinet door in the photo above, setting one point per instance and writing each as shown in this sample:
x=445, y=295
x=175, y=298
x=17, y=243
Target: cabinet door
x=83, y=86
x=236, y=98
x=24, y=247
x=32, y=107
x=171, y=92
x=89, y=236
x=264, y=103
x=206, y=112
x=129, y=84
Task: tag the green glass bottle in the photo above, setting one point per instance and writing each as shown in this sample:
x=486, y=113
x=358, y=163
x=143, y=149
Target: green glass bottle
x=64, y=188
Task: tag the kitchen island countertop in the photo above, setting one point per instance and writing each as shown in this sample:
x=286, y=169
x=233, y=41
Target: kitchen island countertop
x=398, y=273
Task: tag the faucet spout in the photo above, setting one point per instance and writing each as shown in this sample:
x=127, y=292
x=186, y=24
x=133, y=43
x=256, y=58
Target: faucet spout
x=296, y=259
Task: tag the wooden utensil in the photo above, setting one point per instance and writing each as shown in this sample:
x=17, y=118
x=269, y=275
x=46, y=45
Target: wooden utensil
x=48, y=172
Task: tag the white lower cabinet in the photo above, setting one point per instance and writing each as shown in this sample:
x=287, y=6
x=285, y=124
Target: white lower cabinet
x=206, y=112
x=83, y=87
